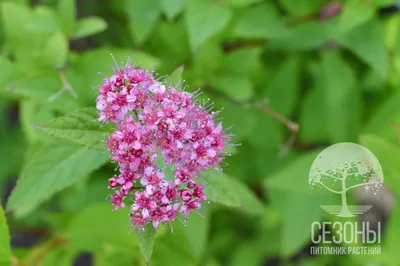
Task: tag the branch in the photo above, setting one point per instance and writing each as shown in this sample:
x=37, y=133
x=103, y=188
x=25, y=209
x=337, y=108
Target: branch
x=292, y=126
x=40, y=252
x=358, y=185
x=66, y=87
x=331, y=190
x=334, y=177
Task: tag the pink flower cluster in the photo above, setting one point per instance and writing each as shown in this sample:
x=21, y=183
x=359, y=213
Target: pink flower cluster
x=156, y=121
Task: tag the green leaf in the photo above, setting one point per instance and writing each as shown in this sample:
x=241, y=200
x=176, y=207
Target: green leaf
x=196, y=231
x=251, y=204
x=237, y=87
x=367, y=42
x=14, y=17
x=54, y=167
x=5, y=247
x=261, y=21
x=88, y=232
x=220, y=189
x=302, y=8
x=41, y=89
x=146, y=242
x=355, y=13
x=291, y=196
x=89, y=26
x=387, y=154
x=32, y=112
x=67, y=14
x=242, y=3
x=7, y=73
x=205, y=19
x=173, y=7
x=86, y=77
x=385, y=116
x=143, y=16
x=80, y=127
x=56, y=50
x=175, y=78
x=342, y=102
x=282, y=92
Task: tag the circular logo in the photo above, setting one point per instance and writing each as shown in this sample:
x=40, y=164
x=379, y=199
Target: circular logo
x=343, y=167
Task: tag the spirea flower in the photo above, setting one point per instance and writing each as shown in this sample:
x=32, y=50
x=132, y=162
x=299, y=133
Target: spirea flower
x=154, y=122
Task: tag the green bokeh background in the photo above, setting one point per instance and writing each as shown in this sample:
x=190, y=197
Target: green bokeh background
x=292, y=78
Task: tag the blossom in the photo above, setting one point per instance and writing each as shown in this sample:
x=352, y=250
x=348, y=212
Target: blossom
x=153, y=122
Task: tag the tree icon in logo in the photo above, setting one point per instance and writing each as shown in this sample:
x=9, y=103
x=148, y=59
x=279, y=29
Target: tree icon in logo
x=343, y=167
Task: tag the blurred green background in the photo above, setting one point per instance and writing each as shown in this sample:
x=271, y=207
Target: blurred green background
x=292, y=77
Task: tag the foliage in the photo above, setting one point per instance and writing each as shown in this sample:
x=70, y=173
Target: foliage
x=273, y=66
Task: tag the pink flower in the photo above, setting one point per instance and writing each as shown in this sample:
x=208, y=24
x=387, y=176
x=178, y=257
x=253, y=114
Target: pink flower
x=156, y=121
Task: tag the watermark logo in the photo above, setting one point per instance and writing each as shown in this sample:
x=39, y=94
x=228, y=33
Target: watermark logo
x=339, y=169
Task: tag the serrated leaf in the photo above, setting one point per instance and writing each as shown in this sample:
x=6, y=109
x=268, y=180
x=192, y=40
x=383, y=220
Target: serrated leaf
x=88, y=232
x=5, y=247
x=56, y=50
x=205, y=19
x=146, y=242
x=173, y=7
x=54, y=167
x=143, y=16
x=89, y=26
x=81, y=127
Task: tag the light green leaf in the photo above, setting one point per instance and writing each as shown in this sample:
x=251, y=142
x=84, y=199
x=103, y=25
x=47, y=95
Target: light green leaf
x=97, y=227
x=41, y=89
x=14, y=17
x=367, y=42
x=146, y=242
x=205, y=19
x=175, y=78
x=387, y=154
x=261, y=21
x=143, y=16
x=342, y=100
x=67, y=14
x=237, y=87
x=56, y=50
x=31, y=113
x=196, y=231
x=355, y=13
x=54, y=167
x=296, y=8
x=173, y=7
x=220, y=189
x=282, y=92
x=242, y=3
x=80, y=127
x=7, y=73
x=291, y=196
x=5, y=247
x=89, y=26
x=293, y=177
x=251, y=204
